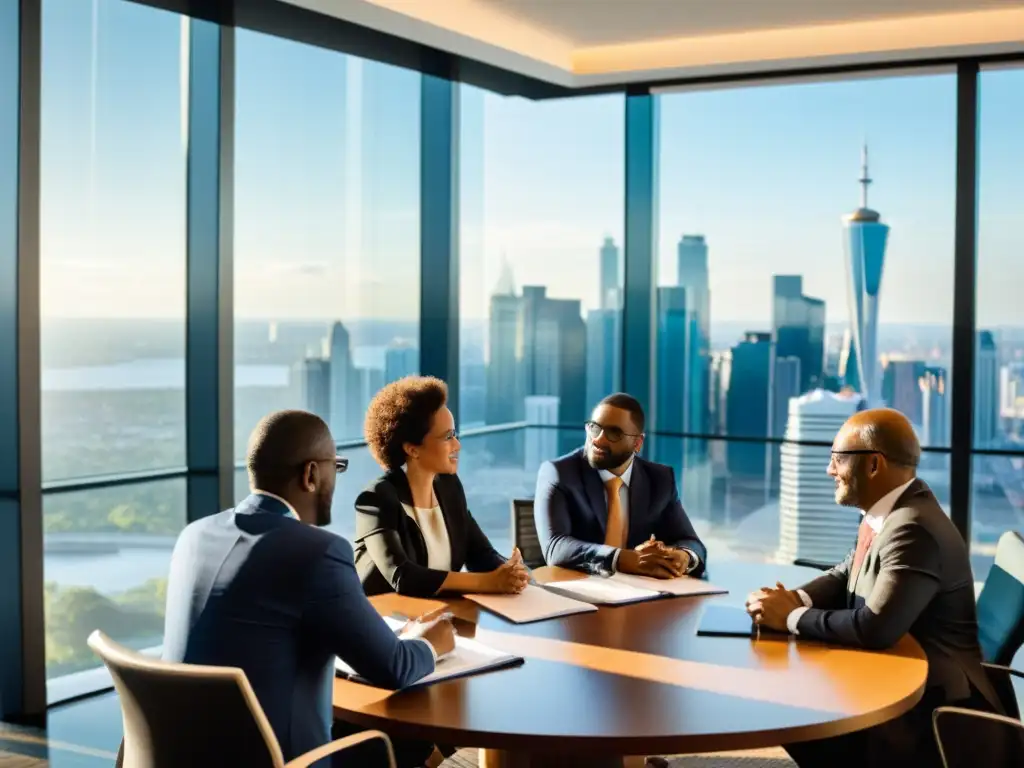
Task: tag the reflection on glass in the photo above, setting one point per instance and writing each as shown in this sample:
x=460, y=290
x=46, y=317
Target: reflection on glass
x=112, y=234
x=541, y=240
x=326, y=232
x=106, y=558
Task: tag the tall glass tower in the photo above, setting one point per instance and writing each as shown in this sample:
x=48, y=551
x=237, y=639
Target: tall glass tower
x=865, y=238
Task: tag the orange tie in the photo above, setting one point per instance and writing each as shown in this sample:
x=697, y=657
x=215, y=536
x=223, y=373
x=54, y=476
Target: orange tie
x=615, y=531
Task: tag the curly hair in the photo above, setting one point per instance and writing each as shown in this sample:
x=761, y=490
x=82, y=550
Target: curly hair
x=401, y=413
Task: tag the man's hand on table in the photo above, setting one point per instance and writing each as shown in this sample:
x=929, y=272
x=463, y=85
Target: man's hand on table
x=770, y=606
x=677, y=560
x=436, y=628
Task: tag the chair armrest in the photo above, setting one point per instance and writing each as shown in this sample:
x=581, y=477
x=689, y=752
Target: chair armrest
x=816, y=564
x=338, y=745
x=1007, y=670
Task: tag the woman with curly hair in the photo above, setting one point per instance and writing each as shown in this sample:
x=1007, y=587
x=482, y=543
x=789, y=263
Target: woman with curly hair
x=414, y=532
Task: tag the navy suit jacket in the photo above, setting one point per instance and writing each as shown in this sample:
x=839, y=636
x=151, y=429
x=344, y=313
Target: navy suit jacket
x=254, y=588
x=570, y=510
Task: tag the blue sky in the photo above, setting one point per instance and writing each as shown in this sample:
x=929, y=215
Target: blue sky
x=327, y=182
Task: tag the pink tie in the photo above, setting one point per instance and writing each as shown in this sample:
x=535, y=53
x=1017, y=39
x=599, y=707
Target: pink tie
x=865, y=536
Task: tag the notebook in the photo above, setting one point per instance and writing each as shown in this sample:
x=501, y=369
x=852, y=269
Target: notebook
x=625, y=588
x=532, y=604
x=729, y=621
x=470, y=657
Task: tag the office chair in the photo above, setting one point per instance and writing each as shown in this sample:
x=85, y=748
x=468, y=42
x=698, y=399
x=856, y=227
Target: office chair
x=202, y=717
x=524, y=533
x=959, y=732
x=1001, y=602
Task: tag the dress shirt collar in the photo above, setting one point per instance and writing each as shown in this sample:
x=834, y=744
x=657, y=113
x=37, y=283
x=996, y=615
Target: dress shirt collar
x=875, y=517
x=625, y=476
x=291, y=510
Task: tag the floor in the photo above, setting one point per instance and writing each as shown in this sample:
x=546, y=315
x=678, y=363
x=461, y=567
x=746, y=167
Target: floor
x=86, y=734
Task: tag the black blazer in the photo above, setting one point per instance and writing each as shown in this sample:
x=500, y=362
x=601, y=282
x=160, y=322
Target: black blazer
x=570, y=510
x=391, y=555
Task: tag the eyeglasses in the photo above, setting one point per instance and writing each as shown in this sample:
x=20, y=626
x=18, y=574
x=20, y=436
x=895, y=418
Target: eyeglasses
x=340, y=464
x=869, y=452
x=611, y=434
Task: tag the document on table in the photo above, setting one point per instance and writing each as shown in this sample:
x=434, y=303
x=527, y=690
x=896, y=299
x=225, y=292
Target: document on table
x=532, y=604
x=624, y=588
x=681, y=586
x=470, y=657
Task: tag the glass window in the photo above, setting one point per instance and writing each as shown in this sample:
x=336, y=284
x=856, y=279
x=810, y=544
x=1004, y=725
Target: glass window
x=998, y=500
x=795, y=222
x=105, y=564
x=112, y=239
x=541, y=244
x=326, y=232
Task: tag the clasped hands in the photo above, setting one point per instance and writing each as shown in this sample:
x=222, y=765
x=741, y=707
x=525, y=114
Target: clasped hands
x=511, y=577
x=653, y=558
x=770, y=606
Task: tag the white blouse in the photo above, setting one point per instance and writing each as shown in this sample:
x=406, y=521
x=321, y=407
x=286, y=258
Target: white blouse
x=435, y=534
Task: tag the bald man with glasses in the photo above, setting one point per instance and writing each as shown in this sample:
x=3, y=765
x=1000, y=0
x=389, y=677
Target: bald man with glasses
x=603, y=508
x=909, y=572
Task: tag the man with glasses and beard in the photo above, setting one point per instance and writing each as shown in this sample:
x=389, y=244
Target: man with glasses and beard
x=264, y=588
x=603, y=509
x=909, y=572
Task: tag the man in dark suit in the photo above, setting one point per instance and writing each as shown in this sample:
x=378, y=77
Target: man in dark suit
x=909, y=572
x=603, y=509
x=263, y=588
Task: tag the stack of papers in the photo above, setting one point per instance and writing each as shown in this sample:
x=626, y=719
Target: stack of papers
x=470, y=657
x=532, y=604
x=624, y=588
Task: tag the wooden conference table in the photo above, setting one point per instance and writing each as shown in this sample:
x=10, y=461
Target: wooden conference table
x=637, y=680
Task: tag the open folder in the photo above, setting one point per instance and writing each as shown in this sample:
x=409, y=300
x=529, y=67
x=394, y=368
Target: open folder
x=532, y=604
x=624, y=588
x=470, y=657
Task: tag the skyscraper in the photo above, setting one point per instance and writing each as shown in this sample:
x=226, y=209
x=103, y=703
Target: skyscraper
x=603, y=328
x=901, y=388
x=538, y=346
x=541, y=437
x=798, y=328
x=671, y=388
x=401, y=359
x=555, y=352
x=934, y=408
x=505, y=385
x=748, y=405
x=313, y=386
x=785, y=386
x=344, y=421
x=695, y=382
x=986, y=392
x=811, y=524
x=610, y=283
x=865, y=238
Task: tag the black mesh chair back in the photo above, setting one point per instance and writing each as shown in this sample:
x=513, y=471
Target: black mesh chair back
x=524, y=533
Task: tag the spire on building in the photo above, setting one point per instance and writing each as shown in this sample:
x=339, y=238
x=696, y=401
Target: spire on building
x=506, y=285
x=865, y=178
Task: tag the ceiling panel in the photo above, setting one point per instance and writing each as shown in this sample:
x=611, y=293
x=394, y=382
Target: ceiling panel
x=603, y=22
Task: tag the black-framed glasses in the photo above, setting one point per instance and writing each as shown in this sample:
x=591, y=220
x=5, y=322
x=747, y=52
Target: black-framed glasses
x=340, y=464
x=611, y=434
